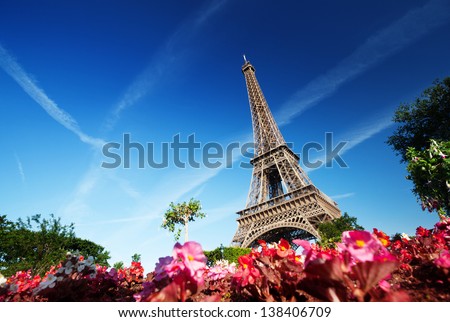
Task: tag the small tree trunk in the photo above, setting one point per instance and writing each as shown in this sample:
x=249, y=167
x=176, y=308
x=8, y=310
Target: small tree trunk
x=186, y=237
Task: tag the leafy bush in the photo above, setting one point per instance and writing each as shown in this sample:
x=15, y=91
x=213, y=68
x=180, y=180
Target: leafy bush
x=429, y=170
x=230, y=254
x=331, y=231
x=37, y=243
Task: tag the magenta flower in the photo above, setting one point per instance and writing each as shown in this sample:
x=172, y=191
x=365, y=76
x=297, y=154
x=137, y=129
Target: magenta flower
x=162, y=269
x=191, y=254
x=190, y=259
x=362, y=245
x=443, y=260
x=384, y=285
x=304, y=244
x=148, y=289
x=313, y=253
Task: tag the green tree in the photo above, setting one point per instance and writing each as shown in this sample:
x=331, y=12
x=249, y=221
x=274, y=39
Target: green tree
x=330, y=232
x=118, y=265
x=136, y=258
x=428, y=117
x=37, y=243
x=181, y=214
x=429, y=170
x=231, y=254
x=89, y=248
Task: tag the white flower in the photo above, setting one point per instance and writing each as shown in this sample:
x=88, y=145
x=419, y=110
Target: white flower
x=81, y=267
x=60, y=270
x=68, y=270
x=3, y=280
x=89, y=261
x=221, y=262
x=405, y=236
x=51, y=278
x=92, y=275
x=49, y=282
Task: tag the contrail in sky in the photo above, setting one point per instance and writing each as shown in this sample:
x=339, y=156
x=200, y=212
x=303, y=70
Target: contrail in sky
x=20, y=168
x=13, y=69
x=411, y=27
x=163, y=60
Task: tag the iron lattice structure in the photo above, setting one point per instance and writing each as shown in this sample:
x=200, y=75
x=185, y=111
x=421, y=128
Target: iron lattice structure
x=282, y=201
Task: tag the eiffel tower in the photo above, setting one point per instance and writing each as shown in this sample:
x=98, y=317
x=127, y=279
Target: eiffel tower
x=282, y=201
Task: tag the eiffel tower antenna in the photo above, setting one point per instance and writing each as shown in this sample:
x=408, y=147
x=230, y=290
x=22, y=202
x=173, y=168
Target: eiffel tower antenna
x=282, y=201
x=245, y=59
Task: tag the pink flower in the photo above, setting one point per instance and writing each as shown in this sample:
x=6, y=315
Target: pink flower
x=190, y=258
x=384, y=285
x=362, y=245
x=217, y=272
x=220, y=270
x=186, y=259
x=443, y=260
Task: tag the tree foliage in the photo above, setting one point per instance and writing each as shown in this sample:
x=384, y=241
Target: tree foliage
x=119, y=265
x=331, y=231
x=428, y=117
x=181, y=214
x=136, y=257
x=429, y=170
x=231, y=254
x=37, y=243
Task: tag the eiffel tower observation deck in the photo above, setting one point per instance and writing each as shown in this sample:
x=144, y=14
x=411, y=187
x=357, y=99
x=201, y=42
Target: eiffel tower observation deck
x=282, y=201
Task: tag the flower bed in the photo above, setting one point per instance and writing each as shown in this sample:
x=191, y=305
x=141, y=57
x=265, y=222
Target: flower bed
x=363, y=267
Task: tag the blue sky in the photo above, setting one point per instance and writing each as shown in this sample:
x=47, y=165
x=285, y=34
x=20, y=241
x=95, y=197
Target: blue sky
x=76, y=75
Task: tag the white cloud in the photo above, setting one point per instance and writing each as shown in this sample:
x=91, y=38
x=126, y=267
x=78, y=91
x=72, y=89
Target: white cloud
x=13, y=69
x=411, y=27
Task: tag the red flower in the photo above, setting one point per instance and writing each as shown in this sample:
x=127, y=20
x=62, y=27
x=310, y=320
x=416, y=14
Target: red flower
x=283, y=249
x=422, y=232
x=406, y=268
x=265, y=250
x=262, y=243
x=382, y=237
x=247, y=272
x=404, y=256
x=397, y=245
x=439, y=239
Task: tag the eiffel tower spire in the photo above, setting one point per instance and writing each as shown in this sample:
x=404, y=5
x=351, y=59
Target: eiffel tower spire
x=266, y=133
x=282, y=201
